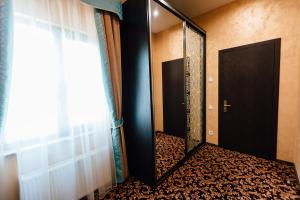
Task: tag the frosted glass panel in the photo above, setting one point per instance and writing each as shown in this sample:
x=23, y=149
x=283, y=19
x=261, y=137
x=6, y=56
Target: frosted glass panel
x=194, y=80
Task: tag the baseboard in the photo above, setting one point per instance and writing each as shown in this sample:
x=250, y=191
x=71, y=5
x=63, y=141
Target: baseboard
x=283, y=161
x=212, y=144
x=297, y=175
x=278, y=160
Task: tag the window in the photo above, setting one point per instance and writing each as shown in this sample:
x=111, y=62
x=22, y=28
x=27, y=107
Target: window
x=57, y=122
x=56, y=81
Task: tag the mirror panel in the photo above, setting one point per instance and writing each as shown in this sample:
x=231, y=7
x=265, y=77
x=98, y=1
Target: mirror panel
x=178, y=87
x=194, y=67
x=167, y=88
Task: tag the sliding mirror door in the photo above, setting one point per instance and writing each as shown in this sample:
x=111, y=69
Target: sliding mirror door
x=167, y=88
x=194, y=86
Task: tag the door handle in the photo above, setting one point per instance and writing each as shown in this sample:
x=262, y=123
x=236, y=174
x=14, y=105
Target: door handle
x=226, y=105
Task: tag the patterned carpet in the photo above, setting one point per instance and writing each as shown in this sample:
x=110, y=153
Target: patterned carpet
x=169, y=150
x=216, y=173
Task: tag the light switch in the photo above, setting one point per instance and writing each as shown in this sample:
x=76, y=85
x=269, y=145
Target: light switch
x=210, y=107
x=210, y=79
x=210, y=132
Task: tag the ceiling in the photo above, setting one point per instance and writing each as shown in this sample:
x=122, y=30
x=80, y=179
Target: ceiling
x=163, y=20
x=191, y=8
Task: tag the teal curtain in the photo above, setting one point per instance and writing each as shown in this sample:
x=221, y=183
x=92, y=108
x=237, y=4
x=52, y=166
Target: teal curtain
x=113, y=6
x=110, y=62
x=110, y=97
x=6, y=34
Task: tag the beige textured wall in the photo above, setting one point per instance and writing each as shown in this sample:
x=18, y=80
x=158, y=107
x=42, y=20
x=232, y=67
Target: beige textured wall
x=239, y=23
x=248, y=21
x=166, y=45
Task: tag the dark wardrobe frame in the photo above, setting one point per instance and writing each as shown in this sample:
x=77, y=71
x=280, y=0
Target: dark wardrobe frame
x=137, y=89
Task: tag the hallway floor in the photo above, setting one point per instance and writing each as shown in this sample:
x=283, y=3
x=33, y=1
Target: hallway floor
x=216, y=173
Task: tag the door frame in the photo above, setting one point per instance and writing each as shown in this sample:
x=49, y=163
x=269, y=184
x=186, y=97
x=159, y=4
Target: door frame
x=276, y=77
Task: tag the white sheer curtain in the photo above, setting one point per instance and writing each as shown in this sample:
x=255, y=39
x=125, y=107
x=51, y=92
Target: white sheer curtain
x=58, y=122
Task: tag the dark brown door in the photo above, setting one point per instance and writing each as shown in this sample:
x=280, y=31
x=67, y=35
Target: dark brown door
x=173, y=97
x=248, y=98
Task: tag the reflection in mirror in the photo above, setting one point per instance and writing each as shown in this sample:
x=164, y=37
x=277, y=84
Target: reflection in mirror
x=167, y=88
x=194, y=70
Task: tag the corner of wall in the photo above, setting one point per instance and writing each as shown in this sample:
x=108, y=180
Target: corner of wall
x=297, y=145
x=297, y=155
x=9, y=183
x=297, y=138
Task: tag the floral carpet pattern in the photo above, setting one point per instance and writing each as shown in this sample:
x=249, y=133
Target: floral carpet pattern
x=216, y=173
x=169, y=150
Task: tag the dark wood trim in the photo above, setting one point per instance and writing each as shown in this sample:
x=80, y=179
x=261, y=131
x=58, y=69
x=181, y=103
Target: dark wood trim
x=150, y=75
x=137, y=91
x=220, y=96
x=250, y=45
x=150, y=81
x=276, y=77
x=276, y=88
x=204, y=89
x=184, y=78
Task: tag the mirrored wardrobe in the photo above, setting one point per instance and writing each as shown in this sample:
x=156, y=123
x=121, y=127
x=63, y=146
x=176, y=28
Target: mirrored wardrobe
x=163, y=63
